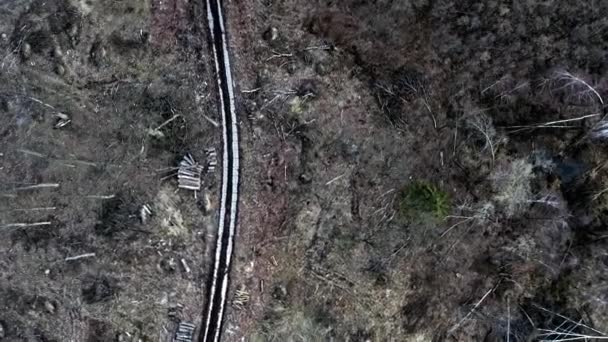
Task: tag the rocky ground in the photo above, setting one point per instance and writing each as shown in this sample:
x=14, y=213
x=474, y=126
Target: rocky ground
x=412, y=170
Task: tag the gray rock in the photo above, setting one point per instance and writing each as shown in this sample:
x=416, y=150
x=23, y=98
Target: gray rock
x=49, y=307
x=321, y=68
x=271, y=34
x=98, y=54
x=291, y=68
x=279, y=292
x=60, y=70
x=57, y=52
x=26, y=50
x=305, y=178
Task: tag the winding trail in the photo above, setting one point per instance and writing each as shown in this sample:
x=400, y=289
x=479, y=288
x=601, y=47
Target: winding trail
x=211, y=329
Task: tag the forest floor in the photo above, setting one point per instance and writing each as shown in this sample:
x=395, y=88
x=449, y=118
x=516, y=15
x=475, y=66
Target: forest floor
x=411, y=170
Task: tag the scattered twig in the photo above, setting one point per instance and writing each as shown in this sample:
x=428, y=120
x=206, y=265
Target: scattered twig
x=390, y=258
x=81, y=256
x=25, y=225
x=600, y=131
x=31, y=153
x=185, y=265
x=40, y=102
x=454, y=328
x=484, y=125
x=144, y=213
x=509, y=92
x=478, y=215
x=62, y=161
x=279, y=94
x=286, y=92
x=57, y=113
x=579, y=87
x=167, y=169
x=568, y=336
x=33, y=209
x=156, y=132
x=171, y=175
x=464, y=220
x=211, y=121
x=483, y=91
x=101, y=196
x=599, y=194
x=335, y=179
x=279, y=55
x=528, y=317
x=168, y=121
x=62, y=120
x=241, y=298
x=38, y=186
x=547, y=200
x=75, y=161
x=603, y=335
x=552, y=124
x=249, y=91
x=319, y=47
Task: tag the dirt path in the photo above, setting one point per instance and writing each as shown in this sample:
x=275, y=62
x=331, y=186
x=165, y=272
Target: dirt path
x=212, y=326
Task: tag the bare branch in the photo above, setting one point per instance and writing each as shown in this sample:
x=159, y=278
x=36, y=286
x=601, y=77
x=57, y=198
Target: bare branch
x=25, y=225
x=454, y=328
x=38, y=186
x=577, y=86
x=81, y=256
x=100, y=196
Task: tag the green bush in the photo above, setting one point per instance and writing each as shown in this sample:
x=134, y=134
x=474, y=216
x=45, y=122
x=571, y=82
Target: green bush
x=423, y=200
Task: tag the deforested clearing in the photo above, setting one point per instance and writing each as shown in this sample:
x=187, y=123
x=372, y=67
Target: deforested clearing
x=410, y=170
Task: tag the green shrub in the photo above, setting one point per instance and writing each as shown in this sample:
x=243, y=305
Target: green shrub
x=423, y=200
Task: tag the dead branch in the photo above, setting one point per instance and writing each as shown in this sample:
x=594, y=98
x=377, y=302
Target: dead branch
x=33, y=209
x=81, y=256
x=38, y=186
x=578, y=87
x=25, y=225
x=100, y=196
x=455, y=327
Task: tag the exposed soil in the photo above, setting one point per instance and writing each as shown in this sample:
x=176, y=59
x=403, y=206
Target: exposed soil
x=492, y=110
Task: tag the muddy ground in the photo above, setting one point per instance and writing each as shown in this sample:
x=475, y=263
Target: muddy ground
x=412, y=170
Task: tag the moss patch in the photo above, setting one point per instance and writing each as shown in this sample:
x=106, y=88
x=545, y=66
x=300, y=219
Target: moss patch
x=422, y=200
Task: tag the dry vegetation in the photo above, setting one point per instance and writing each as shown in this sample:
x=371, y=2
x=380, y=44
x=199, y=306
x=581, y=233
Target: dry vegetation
x=498, y=104
x=413, y=170
x=97, y=243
